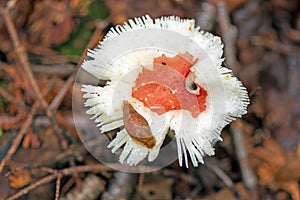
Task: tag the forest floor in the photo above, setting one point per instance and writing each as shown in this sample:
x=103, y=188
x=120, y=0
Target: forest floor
x=43, y=43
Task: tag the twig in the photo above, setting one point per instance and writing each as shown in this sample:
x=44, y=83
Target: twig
x=19, y=137
x=67, y=186
x=62, y=70
x=223, y=177
x=56, y=174
x=59, y=59
x=274, y=45
x=248, y=176
x=12, y=71
x=22, y=57
x=75, y=175
x=84, y=168
x=7, y=95
x=229, y=35
x=76, y=169
x=193, y=194
x=59, y=132
x=63, y=122
x=141, y=182
x=57, y=186
x=63, y=91
x=183, y=176
x=48, y=170
x=206, y=17
x=22, y=131
x=25, y=190
x=39, y=50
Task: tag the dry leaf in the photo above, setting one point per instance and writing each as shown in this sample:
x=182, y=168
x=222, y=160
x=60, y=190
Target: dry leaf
x=277, y=168
x=225, y=193
x=51, y=23
x=20, y=179
x=19, y=14
x=156, y=187
x=31, y=140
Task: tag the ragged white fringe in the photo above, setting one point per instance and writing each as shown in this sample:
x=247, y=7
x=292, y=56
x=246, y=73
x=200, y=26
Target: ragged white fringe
x=227, y=98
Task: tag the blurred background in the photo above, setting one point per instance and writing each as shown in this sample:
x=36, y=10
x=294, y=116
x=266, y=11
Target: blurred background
x=42, y=44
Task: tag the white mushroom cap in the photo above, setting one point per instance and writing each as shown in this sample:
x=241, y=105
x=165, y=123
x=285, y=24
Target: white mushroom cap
x=129, y=51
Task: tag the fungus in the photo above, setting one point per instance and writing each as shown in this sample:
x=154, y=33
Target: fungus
x=162, y=75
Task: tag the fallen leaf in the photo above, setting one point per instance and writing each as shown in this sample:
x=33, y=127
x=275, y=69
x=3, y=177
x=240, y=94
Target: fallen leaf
x=20, y=179
x=228, y=195
x=51, y=23
x=276, y=168
x=31, y=140
x=157, y=187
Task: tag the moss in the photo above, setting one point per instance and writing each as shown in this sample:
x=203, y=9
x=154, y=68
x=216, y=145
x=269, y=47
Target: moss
x=81, y=35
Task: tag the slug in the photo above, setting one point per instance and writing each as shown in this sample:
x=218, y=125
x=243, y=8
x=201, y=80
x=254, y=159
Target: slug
x=137, y=126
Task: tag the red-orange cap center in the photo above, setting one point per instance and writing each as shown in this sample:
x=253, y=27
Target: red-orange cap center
x=163, y=88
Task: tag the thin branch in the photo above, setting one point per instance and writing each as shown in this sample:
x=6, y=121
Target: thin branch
x=57, y=187
x=23, y=59
x=25, y=126
x=21, y=54
x=274, y=45
x=76, y=169
x=229, y=35
x=62, y=70
x=63, y=91
x=141, y=182
x=59, y=173
x=206, y=16
x=6, y=95
x=193, y=194
x=19, y=138
x=223, y=177
x=183, y=176
x=27, y=189
x=248, y=176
